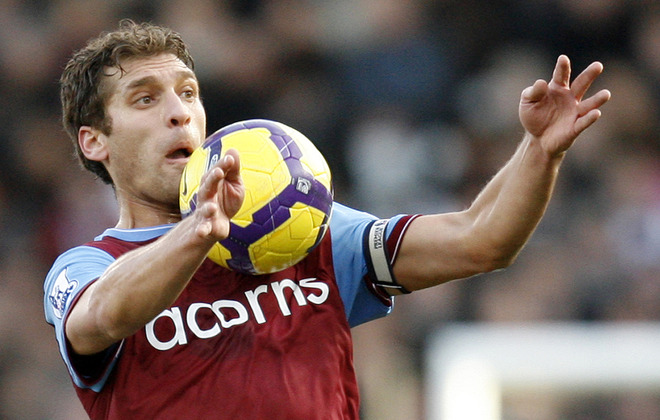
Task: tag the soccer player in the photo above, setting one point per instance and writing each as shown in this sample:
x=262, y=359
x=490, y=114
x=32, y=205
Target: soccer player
x=149, y=328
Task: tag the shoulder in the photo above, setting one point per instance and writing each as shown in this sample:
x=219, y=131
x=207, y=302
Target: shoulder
x=69, y=274
x=348, y=221
x=349, y=229
x=76, y=268
x=350, y=225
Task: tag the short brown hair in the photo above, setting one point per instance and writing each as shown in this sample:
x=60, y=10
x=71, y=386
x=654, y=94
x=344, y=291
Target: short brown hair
x=81, y=91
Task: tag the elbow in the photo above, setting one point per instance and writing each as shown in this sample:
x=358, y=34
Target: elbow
x=88, y=328
x=113, y=323
x=493, y=253
x=502, y=262
x=495, y=259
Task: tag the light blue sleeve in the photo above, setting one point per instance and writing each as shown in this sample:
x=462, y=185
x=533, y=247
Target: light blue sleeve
x=71, y=273
x=347, y=227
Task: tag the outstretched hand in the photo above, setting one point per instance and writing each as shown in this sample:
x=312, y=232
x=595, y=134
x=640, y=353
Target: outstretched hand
x=556, y=112
x=220, y=196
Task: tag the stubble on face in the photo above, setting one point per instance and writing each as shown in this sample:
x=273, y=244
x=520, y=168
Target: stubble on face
x=141, y=137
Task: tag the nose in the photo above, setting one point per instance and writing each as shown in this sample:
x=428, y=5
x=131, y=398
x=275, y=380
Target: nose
x=178, y=111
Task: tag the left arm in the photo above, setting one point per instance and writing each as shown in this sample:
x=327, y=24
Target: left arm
x=492, y=231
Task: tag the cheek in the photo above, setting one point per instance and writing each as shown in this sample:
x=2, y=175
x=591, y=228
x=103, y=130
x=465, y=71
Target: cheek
x=200, y=121
x=128, y=147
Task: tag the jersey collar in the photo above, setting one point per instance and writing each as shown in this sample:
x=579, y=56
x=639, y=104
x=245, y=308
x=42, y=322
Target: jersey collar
x=137, y=234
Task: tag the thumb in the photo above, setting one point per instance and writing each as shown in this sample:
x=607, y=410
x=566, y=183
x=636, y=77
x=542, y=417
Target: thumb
x=534, y=93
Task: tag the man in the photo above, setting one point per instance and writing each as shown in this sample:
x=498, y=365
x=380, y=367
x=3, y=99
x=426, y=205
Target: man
x=149, y=328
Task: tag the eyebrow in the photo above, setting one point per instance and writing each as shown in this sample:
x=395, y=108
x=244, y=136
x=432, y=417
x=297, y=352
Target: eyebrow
x=149, y=80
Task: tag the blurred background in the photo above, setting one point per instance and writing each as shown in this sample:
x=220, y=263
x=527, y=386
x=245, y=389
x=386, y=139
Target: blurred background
x=414, y=104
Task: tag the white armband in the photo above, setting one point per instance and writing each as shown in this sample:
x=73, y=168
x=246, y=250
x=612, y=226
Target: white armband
x=379, y=262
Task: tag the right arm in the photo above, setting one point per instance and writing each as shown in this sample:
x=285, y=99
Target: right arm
x=493, y=230
x=142, y=283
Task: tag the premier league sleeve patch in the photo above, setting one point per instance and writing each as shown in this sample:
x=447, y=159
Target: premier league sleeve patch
x=60, y=293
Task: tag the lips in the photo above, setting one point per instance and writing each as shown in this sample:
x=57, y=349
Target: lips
x=181, y=153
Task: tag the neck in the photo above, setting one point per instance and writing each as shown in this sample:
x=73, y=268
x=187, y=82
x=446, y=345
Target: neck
x=140, y=214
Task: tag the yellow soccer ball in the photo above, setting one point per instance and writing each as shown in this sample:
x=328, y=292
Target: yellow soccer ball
x=288, y=195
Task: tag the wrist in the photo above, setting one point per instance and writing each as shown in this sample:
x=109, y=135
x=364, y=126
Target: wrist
x=535, y=147
x=193, y=237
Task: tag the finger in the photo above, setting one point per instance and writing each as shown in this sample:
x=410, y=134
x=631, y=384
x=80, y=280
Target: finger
x=585, y=121
x=231, y=165
x=582, y=83
x=204, y=229
x=208, y=186
x=207, y=212
x=594, y=102
x=233, y=188
x=536, y=92
x=562, y=73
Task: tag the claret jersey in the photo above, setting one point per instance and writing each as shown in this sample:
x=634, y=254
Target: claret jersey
x=232, y=346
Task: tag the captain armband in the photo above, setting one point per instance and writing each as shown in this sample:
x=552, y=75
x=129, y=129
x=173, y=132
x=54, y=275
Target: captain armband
x=377, y=256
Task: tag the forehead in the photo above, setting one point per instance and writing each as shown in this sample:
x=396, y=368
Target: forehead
x=137, y=71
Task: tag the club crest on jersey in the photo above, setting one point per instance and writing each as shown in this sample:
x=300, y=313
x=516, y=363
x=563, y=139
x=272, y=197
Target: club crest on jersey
x=60, y=293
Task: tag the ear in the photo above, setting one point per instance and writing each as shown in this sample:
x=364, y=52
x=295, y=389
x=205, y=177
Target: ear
x=92, y=143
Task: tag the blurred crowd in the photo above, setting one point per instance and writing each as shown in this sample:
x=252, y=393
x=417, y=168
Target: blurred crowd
x=414, y=104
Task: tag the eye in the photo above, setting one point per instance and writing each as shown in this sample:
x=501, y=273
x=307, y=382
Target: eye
x=189, y=94
x=145, y=100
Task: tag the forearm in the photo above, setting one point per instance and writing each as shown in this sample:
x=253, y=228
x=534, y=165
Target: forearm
x=142, y=283
x=507, y=211
x=490, y=233
x=135, y=288
x=493, y=230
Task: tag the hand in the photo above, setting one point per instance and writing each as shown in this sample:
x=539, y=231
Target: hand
x=555, y=112
x=220, y=196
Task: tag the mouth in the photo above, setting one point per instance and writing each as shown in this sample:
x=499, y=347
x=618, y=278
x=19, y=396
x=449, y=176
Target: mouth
x=182, y=153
